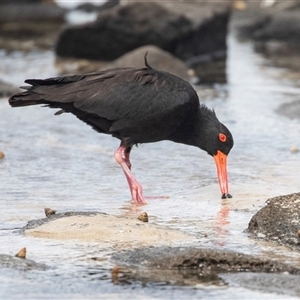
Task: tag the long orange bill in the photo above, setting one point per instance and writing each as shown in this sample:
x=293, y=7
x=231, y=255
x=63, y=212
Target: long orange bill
x=221, y=163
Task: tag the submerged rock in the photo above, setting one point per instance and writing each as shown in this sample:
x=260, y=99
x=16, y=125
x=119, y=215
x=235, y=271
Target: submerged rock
x=281, y=22
x=20, y=12
x=122, y=29
x=191, y=265
x=283, y=283
x=8, y=261
x=278, y=221
x=124, y=232
x=29, y=26
x=290, y=110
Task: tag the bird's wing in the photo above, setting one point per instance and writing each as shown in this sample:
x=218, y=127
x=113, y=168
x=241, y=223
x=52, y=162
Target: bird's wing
x=127, y=97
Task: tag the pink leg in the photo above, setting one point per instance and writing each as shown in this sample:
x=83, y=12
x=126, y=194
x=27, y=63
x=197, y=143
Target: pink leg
x=122, y=158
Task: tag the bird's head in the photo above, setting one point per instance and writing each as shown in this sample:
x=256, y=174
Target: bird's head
x=217, y=141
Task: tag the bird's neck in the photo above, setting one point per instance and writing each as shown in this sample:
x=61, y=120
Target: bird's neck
x=194, y=130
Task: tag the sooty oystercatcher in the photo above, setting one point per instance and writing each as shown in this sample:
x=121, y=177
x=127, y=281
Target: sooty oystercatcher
x=136, y=106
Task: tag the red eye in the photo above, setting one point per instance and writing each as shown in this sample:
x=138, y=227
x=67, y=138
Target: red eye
x=222, y=137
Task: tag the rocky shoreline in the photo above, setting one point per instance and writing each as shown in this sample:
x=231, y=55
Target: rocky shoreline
x=161, y=254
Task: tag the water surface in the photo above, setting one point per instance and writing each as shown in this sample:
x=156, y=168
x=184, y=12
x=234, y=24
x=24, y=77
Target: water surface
x=59, y=162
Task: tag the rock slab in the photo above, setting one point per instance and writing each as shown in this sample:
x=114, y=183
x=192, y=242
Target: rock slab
x=278, y=221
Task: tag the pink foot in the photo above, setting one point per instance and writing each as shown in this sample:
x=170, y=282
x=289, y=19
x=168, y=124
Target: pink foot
x=136, y=190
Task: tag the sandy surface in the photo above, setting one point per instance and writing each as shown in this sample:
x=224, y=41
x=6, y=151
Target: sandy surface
x=109, y=228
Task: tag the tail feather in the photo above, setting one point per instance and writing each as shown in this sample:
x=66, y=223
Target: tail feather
x=42, y=91
x=25, y=99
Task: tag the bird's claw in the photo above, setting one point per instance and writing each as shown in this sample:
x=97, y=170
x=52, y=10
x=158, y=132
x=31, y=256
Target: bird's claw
x=137, y=194
x=226, y=196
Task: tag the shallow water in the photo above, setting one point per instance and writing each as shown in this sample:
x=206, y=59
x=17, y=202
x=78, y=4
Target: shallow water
x=59, y=162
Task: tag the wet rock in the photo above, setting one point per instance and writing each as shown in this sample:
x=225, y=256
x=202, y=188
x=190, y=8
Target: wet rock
x=256, y=17
x=143, y=217
x=192, y=265
x=7, y=89
x=278, y=221
x=29, y=26
x=210, y=68
x=124, y=232
x=283, y=26
x=36, y=223
x=8, y=261
x=292, y=111
x=122, y=29
x=187, y=30
x=275, y=30
x=19, y=11
x=49, y=212
x=272, y=283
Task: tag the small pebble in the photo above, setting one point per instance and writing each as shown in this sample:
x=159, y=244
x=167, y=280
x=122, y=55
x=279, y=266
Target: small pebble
x=239, y=5
x=261, y=235
x=115, y=275
x=21, y=253
x=2, y=155
x=119, y=275
x=294, y=149
x=143, y=217
x=49, y=212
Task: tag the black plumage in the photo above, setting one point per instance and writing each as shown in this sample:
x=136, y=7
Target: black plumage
x=136, y=106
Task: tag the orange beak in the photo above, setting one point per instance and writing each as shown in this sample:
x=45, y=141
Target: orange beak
x=221, y=163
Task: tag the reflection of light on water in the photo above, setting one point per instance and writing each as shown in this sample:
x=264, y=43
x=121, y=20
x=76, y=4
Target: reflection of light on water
x=78, y=17
x=74, y=3
x=75, y=16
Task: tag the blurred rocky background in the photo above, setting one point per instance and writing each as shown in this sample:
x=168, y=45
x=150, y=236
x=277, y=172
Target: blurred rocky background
x=274, y=26
x=187, y=38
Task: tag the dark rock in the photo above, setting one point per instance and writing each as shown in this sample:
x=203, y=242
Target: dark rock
x=278, y=22
x=8, y=261
x=282, y=26
x=29, y=26
x=39, y=222
x=278, y=221
x=271, y=283
x=210, y=68
x=122, y=29
x=21, y=11
x=290, y=110
x=187, y=30
x=192, y=265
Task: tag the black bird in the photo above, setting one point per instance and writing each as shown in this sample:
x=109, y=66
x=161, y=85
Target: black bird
x=136, y=106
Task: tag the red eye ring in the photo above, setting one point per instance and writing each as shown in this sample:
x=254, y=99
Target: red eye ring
x=222, y=137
